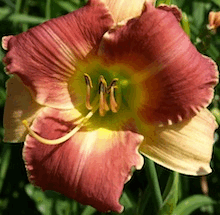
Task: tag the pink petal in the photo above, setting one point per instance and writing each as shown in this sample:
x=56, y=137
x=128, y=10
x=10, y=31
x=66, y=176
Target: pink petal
x=176, y=80
x=45, y=56
x=91, y=167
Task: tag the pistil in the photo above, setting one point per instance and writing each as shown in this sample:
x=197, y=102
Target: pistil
x=64, y=138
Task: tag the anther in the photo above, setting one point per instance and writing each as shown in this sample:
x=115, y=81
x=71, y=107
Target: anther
x=113, y=103
x=88, y=90
x=103, y=106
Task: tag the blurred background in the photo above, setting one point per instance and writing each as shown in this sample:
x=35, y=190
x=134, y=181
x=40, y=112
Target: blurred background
x=17, y=196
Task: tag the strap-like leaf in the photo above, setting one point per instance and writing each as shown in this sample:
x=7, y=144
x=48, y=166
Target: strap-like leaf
x=170, y=195
x=190, y=204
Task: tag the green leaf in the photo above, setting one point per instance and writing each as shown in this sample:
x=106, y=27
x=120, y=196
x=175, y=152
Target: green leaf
x=190, y=204
x=127, y=201
x=170, y=194
x=216, y=112
x=48, y=9
x=1, y=55
x=213, y=52
x=178, y=3
x=50, y=202
x=2, y=96
x=75, y=207
x=23, y=18
x=168, y=2
x=44, y=204
x=217, y=2
x=4, y=11
x=69, y=7
x=63, y=206
x=88, y=210
x=185, y=23
x=4, y=162
x=199, y=11
x=143, y=201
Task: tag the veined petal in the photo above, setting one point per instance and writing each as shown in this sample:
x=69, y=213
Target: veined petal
x=45, y=56
x=19, y=106
x=91, y=167
x=122, y=10
x=184, y=147
x=175, y=79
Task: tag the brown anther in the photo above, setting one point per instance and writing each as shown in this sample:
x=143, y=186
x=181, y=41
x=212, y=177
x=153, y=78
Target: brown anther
x=88, y=90
x=103, y=106
x=104, y=90
x=112, y=84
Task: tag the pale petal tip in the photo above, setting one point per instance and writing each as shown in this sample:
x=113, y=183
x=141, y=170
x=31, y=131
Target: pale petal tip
x=122, y=209
x=5, y=41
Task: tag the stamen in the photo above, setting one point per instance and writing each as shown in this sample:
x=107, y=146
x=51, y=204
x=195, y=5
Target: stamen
x=103, y=106
x=64, y=138
x=113, y=103
x=88, y=90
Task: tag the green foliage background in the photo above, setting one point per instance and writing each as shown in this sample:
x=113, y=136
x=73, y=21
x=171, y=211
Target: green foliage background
x=17, y=196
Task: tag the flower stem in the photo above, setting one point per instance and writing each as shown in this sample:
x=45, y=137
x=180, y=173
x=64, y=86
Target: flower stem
x=154, y=184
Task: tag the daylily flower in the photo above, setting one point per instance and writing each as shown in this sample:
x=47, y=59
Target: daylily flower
x=214, y=20
x=90, y=91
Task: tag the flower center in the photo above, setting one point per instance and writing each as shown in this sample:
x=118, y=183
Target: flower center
x=111, y=101
x=104, y=91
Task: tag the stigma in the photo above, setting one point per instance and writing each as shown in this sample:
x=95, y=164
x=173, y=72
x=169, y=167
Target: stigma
x=104, y=92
